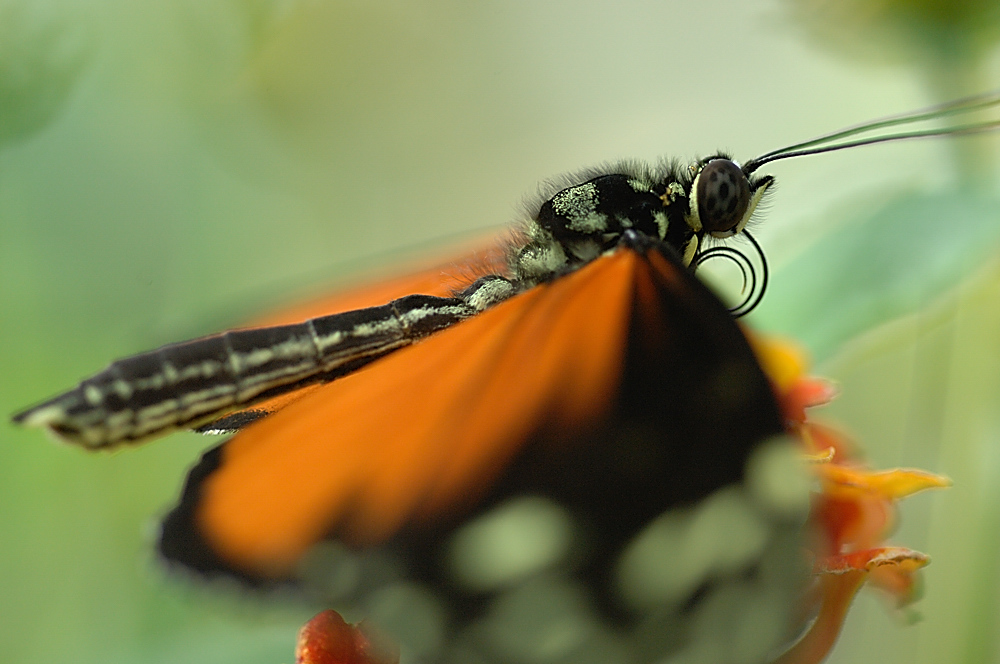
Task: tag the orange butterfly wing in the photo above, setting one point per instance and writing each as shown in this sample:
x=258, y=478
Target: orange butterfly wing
x=422, y=427
x=420, y=437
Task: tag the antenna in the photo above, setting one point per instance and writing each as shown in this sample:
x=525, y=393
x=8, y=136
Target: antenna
x=835, y=141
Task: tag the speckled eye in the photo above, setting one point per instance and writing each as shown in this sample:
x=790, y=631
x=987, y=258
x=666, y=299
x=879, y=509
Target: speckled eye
x=723, y=196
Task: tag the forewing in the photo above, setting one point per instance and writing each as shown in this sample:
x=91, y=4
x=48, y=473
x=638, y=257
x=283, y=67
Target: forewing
x=617, y=391
x=417, y=435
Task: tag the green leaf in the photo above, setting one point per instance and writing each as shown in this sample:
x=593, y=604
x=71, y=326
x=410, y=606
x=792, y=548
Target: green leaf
x=880, y=266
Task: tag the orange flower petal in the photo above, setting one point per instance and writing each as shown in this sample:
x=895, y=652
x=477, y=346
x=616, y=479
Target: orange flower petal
x=904, y=585
x=805, y=393
x=853, y=522
x=905, y=560
x=328, y=639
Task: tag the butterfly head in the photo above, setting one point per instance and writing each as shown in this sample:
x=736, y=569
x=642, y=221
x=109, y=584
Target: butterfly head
x=723, y=197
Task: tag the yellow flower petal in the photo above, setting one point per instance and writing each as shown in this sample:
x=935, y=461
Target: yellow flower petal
x=782, y=361
x=892, y=484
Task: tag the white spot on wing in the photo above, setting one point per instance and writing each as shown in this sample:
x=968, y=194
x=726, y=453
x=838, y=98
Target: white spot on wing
x=520, y=537
x=679, y=550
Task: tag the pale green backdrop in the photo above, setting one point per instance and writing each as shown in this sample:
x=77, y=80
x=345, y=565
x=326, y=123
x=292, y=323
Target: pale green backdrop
x=169, y=169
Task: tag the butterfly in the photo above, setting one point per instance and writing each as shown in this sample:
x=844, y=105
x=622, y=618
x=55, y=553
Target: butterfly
x=580, y=386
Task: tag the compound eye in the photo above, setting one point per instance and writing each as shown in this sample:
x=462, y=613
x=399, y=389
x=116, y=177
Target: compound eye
x=723, y=195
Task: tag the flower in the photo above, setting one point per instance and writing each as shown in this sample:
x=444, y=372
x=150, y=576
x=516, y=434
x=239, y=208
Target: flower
x=853, y=509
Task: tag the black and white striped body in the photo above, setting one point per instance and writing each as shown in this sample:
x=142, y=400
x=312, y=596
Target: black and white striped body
x=194, y=383
x=188, y=384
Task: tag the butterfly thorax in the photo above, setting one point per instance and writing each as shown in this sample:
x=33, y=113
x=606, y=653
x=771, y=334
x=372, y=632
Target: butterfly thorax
x=676, y=204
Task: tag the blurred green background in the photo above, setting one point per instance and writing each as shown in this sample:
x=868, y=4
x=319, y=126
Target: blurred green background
x=170, y=169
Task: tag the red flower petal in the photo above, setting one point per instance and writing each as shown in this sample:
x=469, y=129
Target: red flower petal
x=328, y=639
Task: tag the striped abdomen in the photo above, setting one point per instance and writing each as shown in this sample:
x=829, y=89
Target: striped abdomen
x=188, y=384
